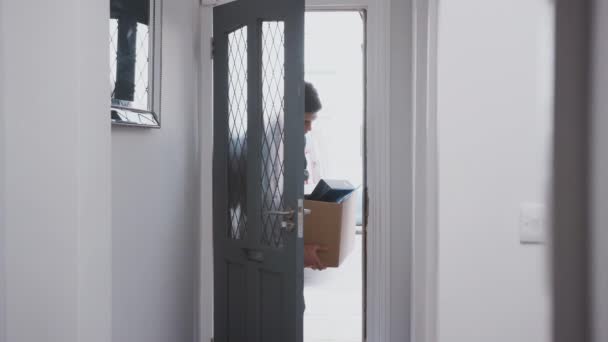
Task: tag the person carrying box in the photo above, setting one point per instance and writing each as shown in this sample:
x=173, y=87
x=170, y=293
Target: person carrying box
x=312, y=106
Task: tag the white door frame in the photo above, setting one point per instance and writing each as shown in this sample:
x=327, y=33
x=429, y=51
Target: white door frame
x=401, y=168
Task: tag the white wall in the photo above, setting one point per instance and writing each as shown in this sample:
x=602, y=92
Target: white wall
x=155, y=201
x=55, y=235
x=205, y=143
x=60, y=213
x=494, y=131
x=3, y=273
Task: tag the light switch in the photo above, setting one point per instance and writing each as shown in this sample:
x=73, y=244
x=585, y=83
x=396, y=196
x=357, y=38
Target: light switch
x=533, y=223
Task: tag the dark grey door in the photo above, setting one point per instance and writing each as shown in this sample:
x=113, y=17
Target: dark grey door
x=258, y=170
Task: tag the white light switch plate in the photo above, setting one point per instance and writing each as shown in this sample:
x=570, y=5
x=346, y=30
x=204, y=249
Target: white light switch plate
x=533, y=223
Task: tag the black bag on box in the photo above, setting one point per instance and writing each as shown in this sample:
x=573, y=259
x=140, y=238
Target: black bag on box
x=329, y=190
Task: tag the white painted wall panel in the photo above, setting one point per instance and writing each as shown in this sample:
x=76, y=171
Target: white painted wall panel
x=55, y=241
x=155, y=187
x=494, y=137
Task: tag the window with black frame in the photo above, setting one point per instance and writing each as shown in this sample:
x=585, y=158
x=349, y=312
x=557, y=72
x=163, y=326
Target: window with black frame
x=135, y=62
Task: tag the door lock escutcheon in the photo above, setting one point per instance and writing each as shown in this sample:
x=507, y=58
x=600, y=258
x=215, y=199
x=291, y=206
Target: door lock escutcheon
x=288, y=218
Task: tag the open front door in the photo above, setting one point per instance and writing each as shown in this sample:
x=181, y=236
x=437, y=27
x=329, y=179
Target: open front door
x=258, y=170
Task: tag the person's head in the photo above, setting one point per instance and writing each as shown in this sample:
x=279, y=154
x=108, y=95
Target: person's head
x=312, y=105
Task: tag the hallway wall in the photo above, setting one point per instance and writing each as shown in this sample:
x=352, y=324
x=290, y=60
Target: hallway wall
x=98, y=224
x=494, y=128
x=55, y=246
x=155, y=201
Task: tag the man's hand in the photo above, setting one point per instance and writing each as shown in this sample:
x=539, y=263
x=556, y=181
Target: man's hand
x=311, y=257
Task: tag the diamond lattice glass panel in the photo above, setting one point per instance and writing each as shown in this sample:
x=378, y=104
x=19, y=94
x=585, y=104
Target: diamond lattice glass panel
x=273, y=112
x=237, y=133
x=129, y=63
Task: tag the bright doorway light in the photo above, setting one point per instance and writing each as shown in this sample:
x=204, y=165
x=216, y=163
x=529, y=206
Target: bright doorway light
x=334, y=64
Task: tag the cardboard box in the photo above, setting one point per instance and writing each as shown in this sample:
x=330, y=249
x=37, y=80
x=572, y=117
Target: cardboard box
x=333, y=226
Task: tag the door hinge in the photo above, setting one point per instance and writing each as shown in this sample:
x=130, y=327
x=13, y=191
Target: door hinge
x=365, y=209
x=212, y=47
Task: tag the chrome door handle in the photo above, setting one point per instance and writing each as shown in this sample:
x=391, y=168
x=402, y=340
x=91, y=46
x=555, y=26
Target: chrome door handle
x=280, y=213
x=288, y=224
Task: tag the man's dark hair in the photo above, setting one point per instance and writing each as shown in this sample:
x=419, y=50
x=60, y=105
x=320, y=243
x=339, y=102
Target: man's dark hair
x=312, y=103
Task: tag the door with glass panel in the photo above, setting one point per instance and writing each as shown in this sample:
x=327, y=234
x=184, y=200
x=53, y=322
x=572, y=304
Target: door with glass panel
x=258, y=170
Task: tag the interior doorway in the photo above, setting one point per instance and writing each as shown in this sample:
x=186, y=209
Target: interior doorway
x=335, y=65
